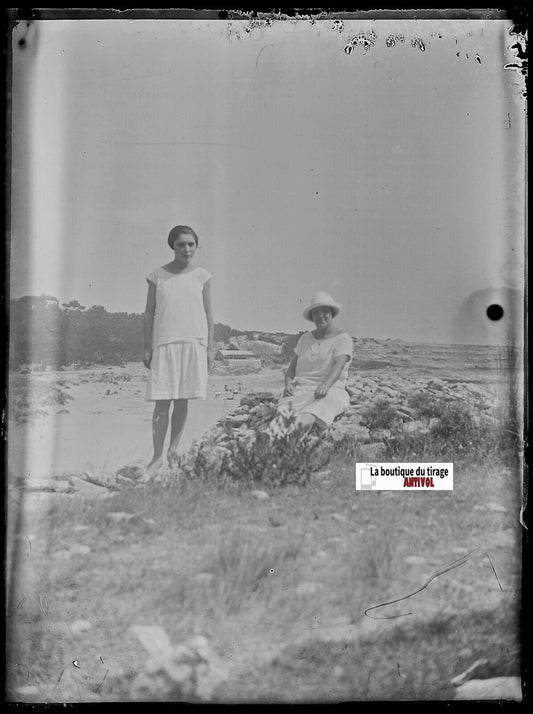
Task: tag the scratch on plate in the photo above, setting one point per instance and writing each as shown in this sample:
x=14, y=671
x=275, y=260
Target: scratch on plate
x=445, y=569
x=103, y=680
x=59, y=678
x=494, y=571
x=271, y=44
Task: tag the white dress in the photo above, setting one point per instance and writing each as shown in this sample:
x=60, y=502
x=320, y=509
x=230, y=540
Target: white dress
x=179, y=345
x=315, y=359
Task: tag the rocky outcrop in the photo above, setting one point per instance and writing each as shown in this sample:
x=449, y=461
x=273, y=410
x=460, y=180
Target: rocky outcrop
x=256, y=410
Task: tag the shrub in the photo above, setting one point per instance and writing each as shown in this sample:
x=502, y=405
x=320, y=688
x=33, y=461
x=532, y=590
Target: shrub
x=456, y=425
x=381, y=415
x=256, y=456
x=275, y=460
x=459, y=435
x=425, y=406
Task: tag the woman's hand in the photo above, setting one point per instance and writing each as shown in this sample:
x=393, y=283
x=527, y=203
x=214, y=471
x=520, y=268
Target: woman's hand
x=321, y=391
x=210, y=357
x=147, y=359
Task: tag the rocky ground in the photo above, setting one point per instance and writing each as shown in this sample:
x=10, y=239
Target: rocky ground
x=222, y=630
x=388, y=373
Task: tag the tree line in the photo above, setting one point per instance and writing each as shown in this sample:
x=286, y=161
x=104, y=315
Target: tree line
x=44, y=332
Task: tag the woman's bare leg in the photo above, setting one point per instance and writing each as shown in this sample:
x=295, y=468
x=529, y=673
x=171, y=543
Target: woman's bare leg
x=159, y=429
x=179, y=417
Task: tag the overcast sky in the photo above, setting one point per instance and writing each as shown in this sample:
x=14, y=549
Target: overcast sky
x=391, y=176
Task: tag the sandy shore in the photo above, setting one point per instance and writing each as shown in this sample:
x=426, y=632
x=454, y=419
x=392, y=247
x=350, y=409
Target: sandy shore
x=107, y=424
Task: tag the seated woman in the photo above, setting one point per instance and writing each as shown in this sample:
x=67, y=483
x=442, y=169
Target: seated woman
x=315, y=381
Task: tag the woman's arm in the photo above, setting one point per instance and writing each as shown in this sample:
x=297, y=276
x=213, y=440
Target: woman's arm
x=333, y=375
x=148, y=324
x=289, y=376
x=210, y=322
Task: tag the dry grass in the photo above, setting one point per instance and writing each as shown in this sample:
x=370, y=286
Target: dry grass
x=253, y=576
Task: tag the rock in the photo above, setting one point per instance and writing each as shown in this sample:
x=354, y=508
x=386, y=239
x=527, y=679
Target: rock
x=80, y=626
x=338, y=517
x=414, y=560
x=61, y=554
x=405, y=411
x=497, y=688
x=495, y=507
x=307, y=588
x=414, y=427
x=132, y=520
x=79, y=549
x=253, y=398
x=360, y=433
x=189, y=670
x=260, y=495
x=388, y=391
x=238, y=420
x=123, y=482
x=29, y=690
x=503, y=539
x=120, y=516
x=380, y=434
x=130, y=472
x=371, y=452
x=459, y=551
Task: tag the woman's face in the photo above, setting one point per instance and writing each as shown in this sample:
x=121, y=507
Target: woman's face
x=322, y=316
x=184, y=248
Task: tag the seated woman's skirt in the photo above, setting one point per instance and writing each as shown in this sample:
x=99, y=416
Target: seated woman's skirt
x=178, y=371
x=304, y=401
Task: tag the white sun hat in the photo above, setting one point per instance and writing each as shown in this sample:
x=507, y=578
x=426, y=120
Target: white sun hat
x=321, y=299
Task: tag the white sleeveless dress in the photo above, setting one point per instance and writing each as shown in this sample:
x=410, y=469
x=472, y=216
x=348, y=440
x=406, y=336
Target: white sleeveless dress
x=179, y=345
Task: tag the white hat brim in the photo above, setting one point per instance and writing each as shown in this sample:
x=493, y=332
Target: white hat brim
x=333, y=305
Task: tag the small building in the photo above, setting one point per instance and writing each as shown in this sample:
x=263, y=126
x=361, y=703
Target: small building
x=238, y=357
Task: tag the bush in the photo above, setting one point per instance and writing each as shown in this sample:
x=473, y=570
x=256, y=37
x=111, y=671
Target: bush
x=257, y=456
x=381, y=415
x=425, y=406
x=457, y=426
x=459, y=435
x=288, y=459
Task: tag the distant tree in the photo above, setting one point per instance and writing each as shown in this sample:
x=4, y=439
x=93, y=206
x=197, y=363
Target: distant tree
x=74, y=305
x=42, y=332
x=222, y=332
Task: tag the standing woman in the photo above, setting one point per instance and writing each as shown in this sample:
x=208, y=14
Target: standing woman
x=178, y=340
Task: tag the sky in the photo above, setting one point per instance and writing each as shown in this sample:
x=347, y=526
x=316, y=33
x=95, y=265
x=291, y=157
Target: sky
x=392, y=176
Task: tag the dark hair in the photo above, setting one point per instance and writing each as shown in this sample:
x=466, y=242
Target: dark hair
x=179, y=230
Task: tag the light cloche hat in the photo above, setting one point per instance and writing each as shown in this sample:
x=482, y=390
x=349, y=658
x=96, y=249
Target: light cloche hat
x=321, y=299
